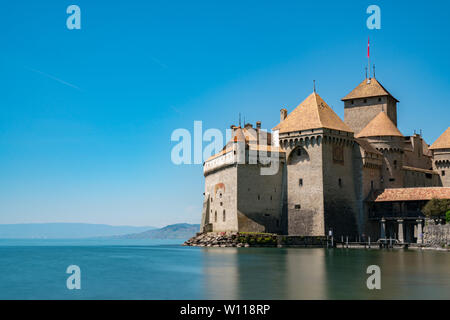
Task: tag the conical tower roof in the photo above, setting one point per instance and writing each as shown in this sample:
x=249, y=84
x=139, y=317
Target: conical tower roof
x=381, y=125
x=443, y=142
x=366, y=89
x=312, y=113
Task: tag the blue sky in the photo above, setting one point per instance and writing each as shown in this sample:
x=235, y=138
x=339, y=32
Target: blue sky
x=86, y=115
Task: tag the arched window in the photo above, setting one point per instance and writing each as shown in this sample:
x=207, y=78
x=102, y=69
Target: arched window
x=223, y=215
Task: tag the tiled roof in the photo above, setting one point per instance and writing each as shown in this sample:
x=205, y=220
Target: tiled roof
x=249, y=137
x=366, y=90
x=411, y=194
x=381, y=125
x=312, y=113
x=443, y=142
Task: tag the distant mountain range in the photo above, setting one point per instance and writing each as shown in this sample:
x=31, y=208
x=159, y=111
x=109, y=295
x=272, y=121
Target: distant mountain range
x=86, y=230
x=173, y=231
x=65, y=230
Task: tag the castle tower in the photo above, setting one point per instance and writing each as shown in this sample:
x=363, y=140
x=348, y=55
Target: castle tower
x=441, y=157
x=367, y=100
x=238, y=196
x=320, y=184
x=384, y=135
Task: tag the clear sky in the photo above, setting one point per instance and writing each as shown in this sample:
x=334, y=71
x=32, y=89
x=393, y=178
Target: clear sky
x=86, y=115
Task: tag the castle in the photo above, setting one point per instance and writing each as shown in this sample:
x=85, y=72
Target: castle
x=357, y=178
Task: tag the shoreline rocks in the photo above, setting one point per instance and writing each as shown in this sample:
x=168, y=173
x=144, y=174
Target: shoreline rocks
x=254, y=239
x=233, y=239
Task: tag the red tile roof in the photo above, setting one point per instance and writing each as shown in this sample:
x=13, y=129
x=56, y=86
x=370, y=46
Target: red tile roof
x=411, y=194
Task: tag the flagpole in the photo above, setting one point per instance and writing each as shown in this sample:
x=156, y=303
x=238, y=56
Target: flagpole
x=368, y=54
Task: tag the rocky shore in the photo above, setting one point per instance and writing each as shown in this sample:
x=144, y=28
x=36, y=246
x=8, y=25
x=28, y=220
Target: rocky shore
x=253, y=239
x=233, y=239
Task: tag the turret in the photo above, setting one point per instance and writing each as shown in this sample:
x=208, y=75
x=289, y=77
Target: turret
x=382, y=133
x=441, y=157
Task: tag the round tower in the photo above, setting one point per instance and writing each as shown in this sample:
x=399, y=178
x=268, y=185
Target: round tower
x=382, y=133
x=441, y=157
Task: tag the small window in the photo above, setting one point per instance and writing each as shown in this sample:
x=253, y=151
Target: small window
x=443, y=173
x=297, y=207
x=371, y=184
x=340, y=182
x=353, y=101
x=299, y=152
x=379, y=99
x=300, y=182
x=270, y=198
x=391, y=179
x=211, y=200
x=266, y=215
x=223, y=215
x=365, y=100
x=395, y=164
x=259, y=197
x=428, y=175
x=221, y=204
x=215, y=216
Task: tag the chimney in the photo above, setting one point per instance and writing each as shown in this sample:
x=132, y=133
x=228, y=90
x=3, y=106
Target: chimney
x=258, y=124
x=283, y=114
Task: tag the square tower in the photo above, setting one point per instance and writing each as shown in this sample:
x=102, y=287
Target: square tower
x=365, y=102
x=319, y=165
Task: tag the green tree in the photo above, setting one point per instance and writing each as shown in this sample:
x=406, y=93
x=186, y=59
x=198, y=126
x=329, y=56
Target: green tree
x=447, y=216
x=437, y=208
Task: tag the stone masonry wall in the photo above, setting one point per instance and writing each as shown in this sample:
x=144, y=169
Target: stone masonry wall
x=259, y=199
x=305, y=188
x=222, y=189
x=341, y=210
x=436, y=235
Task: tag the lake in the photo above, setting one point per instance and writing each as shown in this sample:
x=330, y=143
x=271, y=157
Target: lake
x=163, y=269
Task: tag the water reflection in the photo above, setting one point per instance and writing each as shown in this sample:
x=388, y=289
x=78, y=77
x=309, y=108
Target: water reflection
x=293, y=273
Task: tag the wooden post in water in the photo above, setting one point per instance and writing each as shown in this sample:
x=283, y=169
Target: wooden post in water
x=369, y=242
x=346, y=241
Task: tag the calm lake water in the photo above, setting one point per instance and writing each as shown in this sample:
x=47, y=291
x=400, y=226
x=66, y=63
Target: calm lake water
x=136, y=269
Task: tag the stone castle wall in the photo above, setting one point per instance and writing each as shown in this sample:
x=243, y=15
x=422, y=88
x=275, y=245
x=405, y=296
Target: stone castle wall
x=221, y=186
x=305, y=205
x=441, y=163
x=259, y=199
x=341, y=209
x=436, y=235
